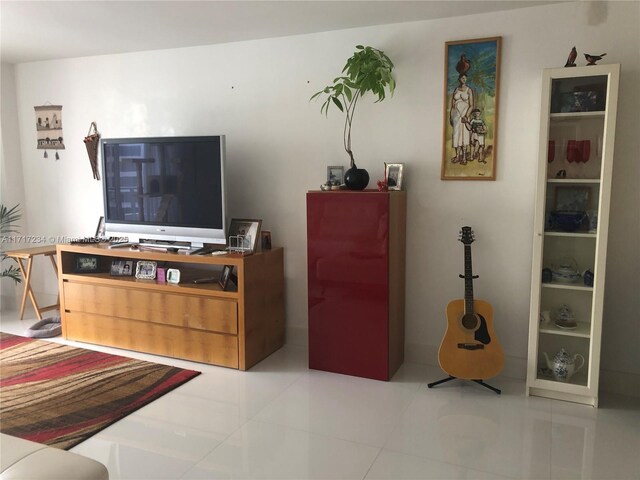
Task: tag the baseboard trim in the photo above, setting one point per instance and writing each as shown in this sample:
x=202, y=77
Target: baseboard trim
x=298, y=336
x=622, y=383
x=8, y=303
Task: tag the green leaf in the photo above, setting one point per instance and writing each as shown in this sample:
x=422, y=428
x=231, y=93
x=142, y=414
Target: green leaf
x=359, y=47
x=12, y=272
x=8, y=216
x=348, y=93
x=338, y=103
x=315, y=95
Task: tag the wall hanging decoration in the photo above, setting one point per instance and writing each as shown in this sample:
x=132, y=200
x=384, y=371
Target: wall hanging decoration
x=92, y=141
x=49, y=128
x=470, y=133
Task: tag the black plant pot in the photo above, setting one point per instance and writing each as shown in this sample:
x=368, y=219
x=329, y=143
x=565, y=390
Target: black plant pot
x=356, y=178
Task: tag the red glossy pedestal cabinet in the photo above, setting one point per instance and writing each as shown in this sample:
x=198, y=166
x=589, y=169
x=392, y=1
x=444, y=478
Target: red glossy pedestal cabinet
x=356, y=278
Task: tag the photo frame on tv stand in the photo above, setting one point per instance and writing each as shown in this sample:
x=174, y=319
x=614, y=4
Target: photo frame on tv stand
x=227, y=276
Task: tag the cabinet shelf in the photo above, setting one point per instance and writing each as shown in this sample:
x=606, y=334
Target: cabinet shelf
x=559, y=117
x=550, y=233
x=209, y=289
x=582, y=330
x=572, y=181
x=568, y=286
x=575, y=163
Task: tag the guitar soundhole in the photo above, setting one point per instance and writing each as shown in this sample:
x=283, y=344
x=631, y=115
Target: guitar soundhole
x=470, y=321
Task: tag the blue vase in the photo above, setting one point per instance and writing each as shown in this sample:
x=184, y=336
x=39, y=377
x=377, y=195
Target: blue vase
x=588, y=278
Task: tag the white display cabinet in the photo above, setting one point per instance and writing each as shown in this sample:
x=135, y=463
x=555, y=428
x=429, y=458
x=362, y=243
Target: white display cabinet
x=577, y=131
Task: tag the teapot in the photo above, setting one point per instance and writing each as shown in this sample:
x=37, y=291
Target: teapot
x=565, y=272
x=563, y=365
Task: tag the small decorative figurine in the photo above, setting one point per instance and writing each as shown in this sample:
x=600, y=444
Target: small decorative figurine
x=592, y=59
x=382, y=186
x=571, y=61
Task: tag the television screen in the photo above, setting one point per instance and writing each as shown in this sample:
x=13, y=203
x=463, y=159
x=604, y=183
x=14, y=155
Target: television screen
x=166, y=188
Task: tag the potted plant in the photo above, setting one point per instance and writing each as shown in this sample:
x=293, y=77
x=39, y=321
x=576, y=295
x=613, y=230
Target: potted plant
x=368, y=70
x=7, y=218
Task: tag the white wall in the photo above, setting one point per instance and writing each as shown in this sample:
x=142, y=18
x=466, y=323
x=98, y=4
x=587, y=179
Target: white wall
x=11, y=180
x=279, y=145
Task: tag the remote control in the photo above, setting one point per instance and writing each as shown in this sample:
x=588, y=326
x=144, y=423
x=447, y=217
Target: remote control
x=123, y=245
x=206, y=280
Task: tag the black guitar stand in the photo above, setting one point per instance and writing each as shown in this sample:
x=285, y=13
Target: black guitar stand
x=479, y=382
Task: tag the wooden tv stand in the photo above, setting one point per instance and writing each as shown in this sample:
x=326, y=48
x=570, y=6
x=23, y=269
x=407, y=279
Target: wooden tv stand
x=236, y=328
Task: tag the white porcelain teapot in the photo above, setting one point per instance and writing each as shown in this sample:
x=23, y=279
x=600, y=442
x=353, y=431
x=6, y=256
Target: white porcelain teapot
x=563, y=365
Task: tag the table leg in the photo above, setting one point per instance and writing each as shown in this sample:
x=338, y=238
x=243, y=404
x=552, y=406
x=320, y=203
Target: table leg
x=27, y=288
x=26, y=274
x=55, y=269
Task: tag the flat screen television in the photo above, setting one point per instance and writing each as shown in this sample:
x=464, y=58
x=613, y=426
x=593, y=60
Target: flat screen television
x=170, y=190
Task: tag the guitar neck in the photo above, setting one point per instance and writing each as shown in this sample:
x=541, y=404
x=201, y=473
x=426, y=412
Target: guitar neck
x=468, y=281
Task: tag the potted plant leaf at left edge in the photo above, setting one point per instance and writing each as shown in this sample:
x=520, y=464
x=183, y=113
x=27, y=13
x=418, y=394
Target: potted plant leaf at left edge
x=8, y=217
x=368, y=70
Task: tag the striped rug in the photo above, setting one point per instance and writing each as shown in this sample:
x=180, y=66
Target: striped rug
x=61, y=395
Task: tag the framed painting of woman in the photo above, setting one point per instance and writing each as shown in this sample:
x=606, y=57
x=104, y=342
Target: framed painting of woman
x=471, y=86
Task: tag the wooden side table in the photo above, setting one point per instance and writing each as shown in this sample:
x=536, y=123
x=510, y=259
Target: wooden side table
x=29, y=254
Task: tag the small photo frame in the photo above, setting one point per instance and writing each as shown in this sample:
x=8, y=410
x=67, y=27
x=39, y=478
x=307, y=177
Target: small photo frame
x=87, y=264
x=393, y=175
x=225, y=276
x=335, y=175
x=146, y=270
x=122, y=268
x=265, y=236
x=571, y=199
x=243, y=235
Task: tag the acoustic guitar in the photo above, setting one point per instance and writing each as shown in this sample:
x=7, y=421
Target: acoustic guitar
x=470, y=349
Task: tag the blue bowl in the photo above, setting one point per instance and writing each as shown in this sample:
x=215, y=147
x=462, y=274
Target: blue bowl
x=566, y=221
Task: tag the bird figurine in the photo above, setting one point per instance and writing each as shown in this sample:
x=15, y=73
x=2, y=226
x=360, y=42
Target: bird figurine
x=571, y=61
x=463, y=65
x=592, y=59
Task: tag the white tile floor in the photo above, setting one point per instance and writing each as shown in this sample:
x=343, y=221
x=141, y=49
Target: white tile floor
x=281, y=420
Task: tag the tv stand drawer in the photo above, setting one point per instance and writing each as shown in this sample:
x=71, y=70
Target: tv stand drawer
x=185, y=343
x=204, y=313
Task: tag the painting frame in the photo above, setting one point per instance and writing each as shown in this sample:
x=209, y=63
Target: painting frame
x=470, y=123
